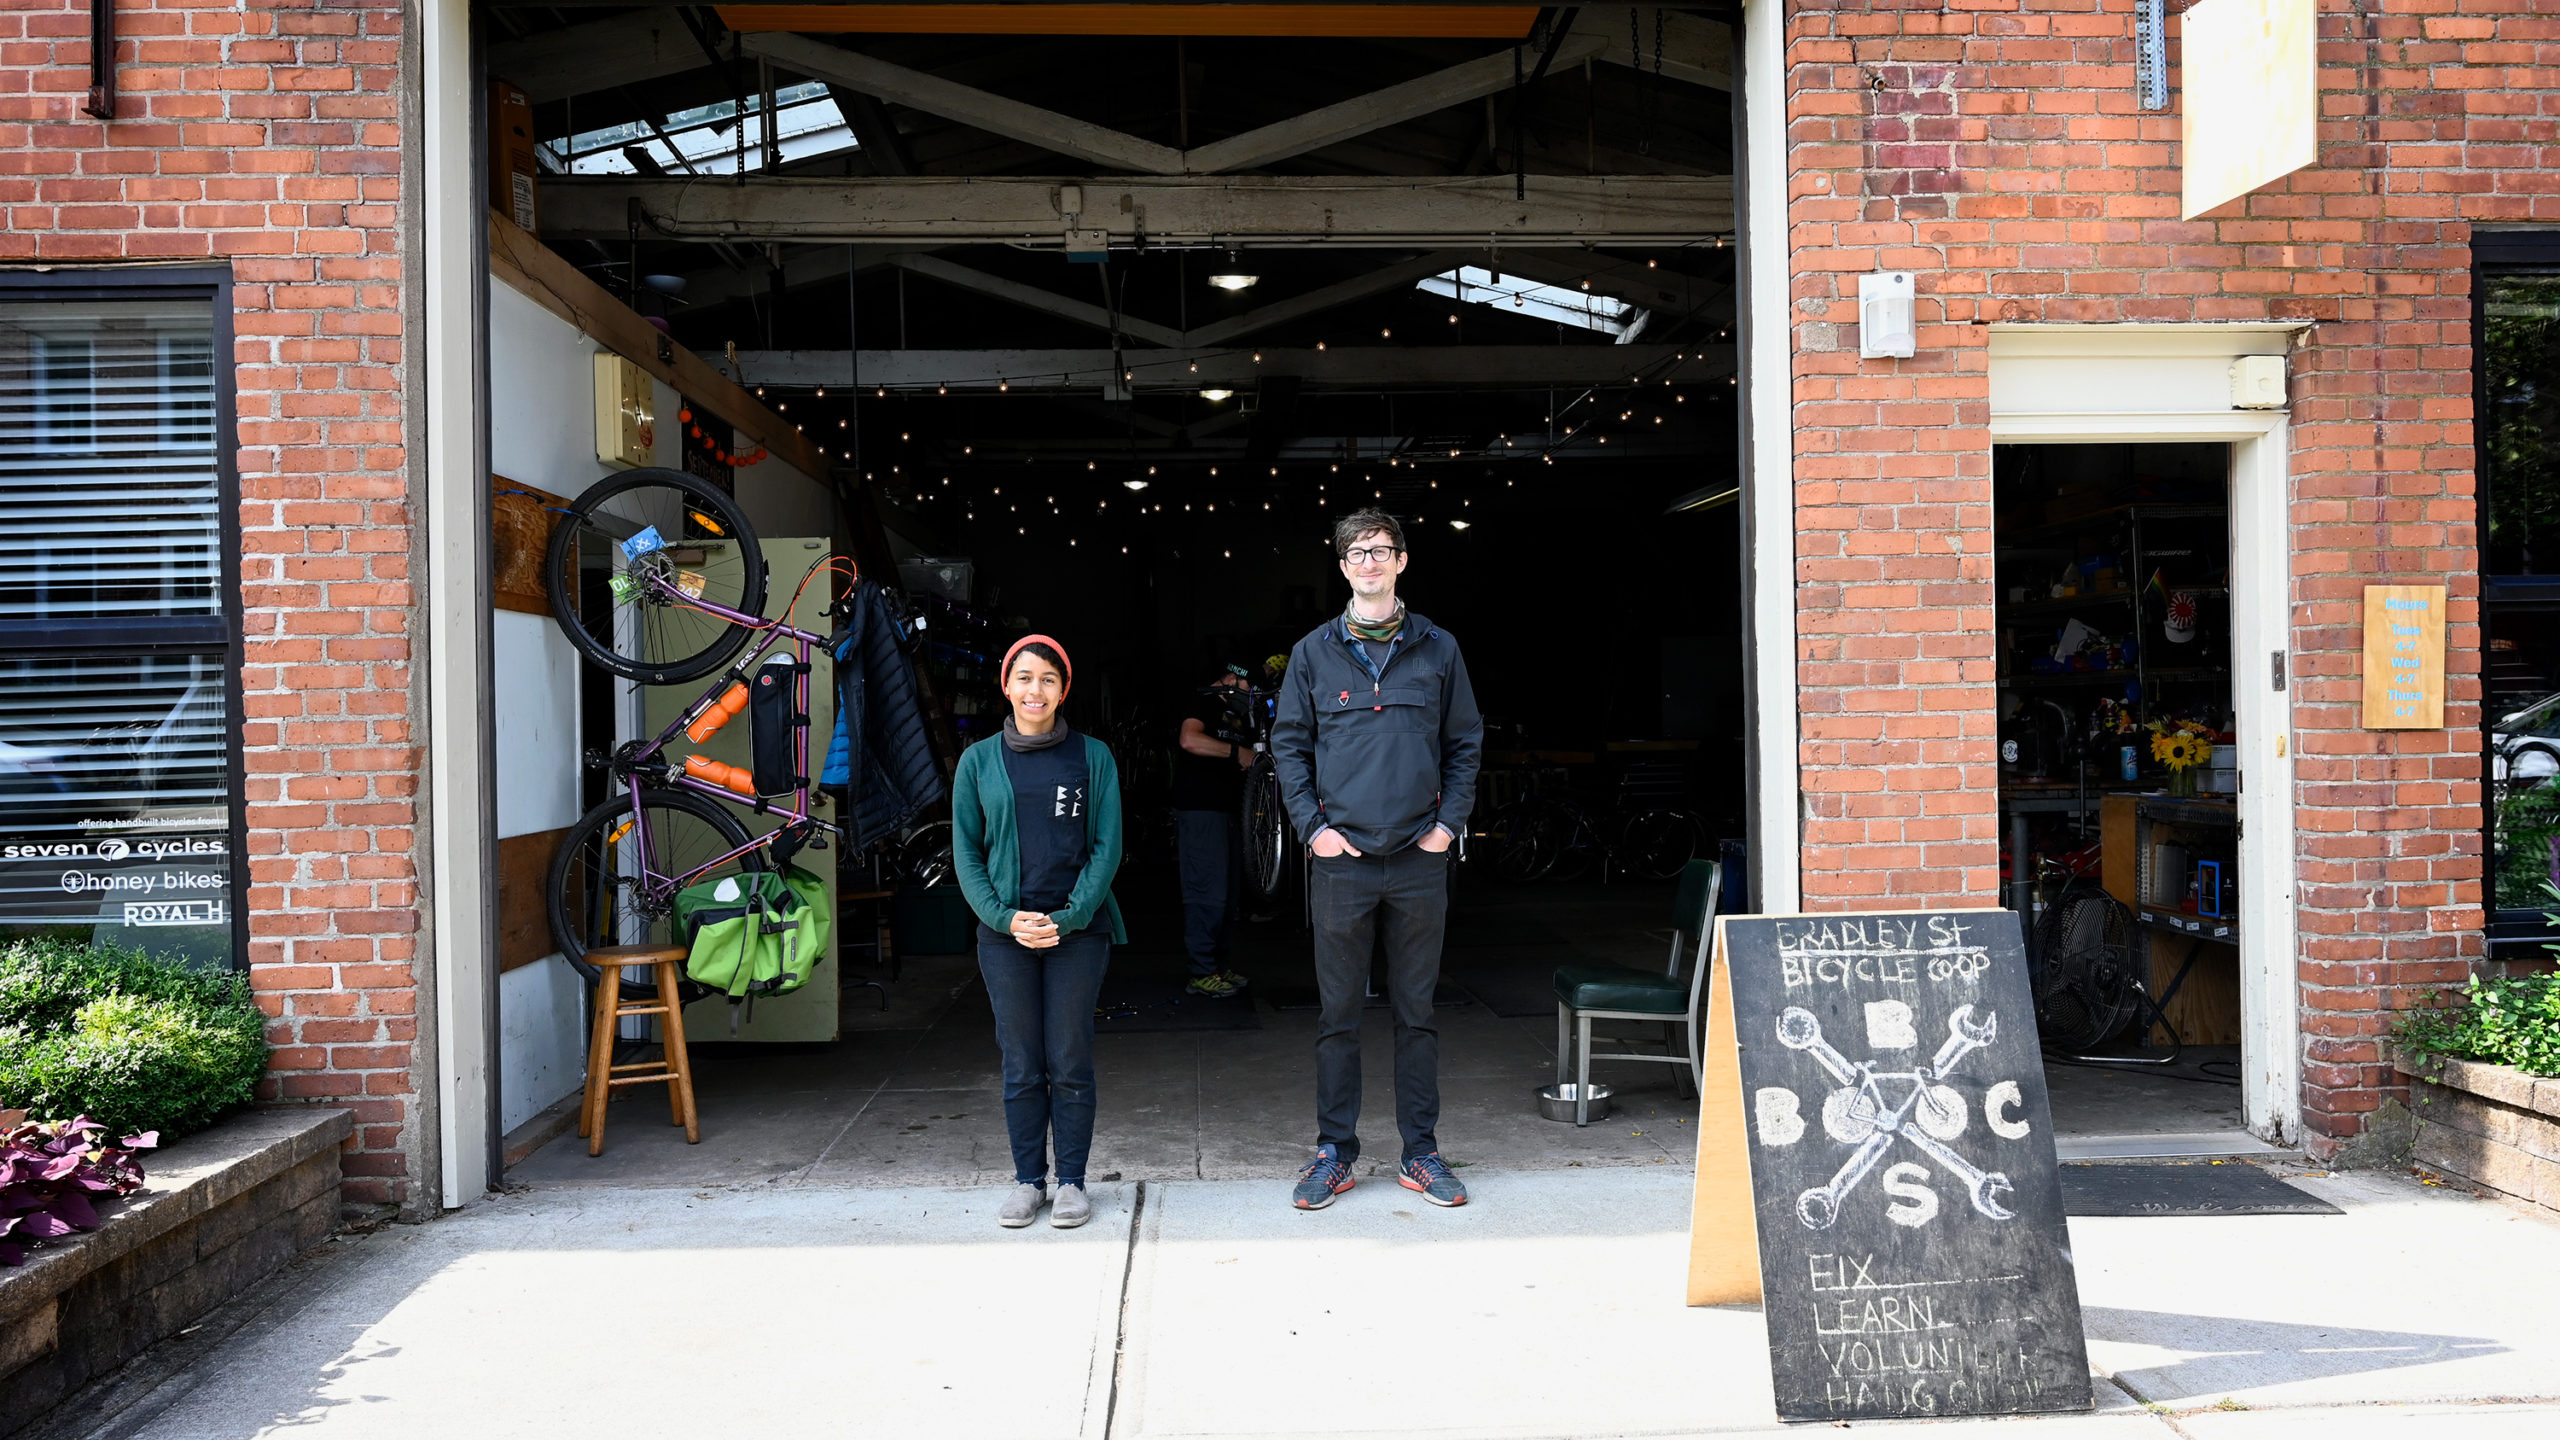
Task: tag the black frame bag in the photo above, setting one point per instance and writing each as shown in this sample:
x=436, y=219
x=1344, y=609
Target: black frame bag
x=775, y=719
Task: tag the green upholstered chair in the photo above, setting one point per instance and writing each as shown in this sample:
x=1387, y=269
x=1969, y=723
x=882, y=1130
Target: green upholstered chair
x=1585, y=993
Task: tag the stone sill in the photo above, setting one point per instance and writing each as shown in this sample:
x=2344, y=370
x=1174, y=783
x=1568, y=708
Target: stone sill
x=2501, y=1083
x=190, y=1178
x=2492, y=1125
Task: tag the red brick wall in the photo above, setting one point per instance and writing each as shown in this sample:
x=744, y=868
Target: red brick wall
x=266, y=136
x=1995, y=147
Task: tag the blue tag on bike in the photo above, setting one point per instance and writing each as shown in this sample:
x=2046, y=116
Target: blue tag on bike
x=646, y=542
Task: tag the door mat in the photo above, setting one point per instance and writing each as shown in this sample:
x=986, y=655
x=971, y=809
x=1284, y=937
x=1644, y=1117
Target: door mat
x=1141, y=1007
x=2202, y=1188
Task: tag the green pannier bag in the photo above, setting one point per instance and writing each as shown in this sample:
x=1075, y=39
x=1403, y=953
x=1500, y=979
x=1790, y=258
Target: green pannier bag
x=755, y=933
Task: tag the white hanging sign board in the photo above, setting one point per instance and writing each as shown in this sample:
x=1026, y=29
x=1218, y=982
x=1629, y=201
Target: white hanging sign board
x=2249, y=83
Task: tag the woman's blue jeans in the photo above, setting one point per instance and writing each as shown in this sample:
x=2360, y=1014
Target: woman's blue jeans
x=1043, y=1001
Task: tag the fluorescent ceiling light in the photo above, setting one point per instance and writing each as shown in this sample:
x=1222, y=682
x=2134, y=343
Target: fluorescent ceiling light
x=1476, y=285
x=1135, y=484
x=1232, y=280
x=1217, y=394
x=1458, y=525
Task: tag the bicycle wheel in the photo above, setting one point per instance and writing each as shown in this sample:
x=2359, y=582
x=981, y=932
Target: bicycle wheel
x=1266, y=828
x=609, y=888
x=924, y=856
x=630, y=559
x=1656, y=844
x=1528, y=837
x=1576, y=845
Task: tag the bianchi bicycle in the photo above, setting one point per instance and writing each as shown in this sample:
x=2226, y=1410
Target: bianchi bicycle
x=657, y=577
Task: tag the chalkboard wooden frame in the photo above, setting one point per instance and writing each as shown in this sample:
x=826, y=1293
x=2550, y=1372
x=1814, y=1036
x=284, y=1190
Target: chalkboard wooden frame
x=1856, y=1065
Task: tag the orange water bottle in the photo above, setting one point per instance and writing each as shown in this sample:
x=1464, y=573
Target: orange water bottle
x=730, y=777
x=708, y=723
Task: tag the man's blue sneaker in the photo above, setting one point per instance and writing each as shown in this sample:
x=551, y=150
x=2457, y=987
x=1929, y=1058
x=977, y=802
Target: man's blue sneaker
x=1431, y=1176
x=1325, y=1177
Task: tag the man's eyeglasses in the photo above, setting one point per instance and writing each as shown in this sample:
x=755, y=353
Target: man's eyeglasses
x=1380, y=553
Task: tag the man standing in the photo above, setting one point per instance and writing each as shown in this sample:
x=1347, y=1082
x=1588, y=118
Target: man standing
x=1206, y=801
x=1377, y=740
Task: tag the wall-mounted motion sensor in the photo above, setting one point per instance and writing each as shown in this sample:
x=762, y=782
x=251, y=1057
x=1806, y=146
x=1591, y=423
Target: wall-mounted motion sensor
x=1884, y=315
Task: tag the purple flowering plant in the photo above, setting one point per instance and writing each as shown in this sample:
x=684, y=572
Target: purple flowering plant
x=54, y=1174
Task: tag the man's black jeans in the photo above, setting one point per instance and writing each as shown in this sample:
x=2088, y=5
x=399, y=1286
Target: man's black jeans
x=1212, y=876
x=1355, y=897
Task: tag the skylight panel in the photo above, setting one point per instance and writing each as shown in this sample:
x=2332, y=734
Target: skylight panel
x=1478, y=286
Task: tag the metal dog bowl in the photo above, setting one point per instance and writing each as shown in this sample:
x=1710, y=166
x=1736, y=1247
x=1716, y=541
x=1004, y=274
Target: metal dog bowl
x=1556, y=1101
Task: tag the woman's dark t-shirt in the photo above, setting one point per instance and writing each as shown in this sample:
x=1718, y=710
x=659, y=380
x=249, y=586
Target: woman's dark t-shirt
x=1049, y=817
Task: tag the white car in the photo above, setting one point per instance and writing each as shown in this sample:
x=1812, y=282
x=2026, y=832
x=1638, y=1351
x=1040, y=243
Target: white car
x=2524, y=745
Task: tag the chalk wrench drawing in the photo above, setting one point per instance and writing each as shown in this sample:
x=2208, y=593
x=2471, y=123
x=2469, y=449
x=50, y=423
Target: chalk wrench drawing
x=1857, y=1113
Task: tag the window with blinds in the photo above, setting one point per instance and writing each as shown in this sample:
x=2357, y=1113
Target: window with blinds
x=119, y=615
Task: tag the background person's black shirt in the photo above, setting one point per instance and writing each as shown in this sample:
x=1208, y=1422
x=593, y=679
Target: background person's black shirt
x=1207, y=782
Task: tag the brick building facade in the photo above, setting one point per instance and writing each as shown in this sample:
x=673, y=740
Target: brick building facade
x=1993, y=147
x=267, y=139
x=1997, y=151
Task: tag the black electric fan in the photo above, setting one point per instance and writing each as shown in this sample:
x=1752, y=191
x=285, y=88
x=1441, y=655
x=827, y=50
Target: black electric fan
x=2087, y=988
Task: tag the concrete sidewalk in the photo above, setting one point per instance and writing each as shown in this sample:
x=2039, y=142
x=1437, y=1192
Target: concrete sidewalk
x=1550, y=1307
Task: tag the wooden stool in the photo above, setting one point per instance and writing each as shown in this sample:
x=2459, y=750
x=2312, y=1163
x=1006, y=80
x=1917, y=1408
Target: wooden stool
x=673, y=1070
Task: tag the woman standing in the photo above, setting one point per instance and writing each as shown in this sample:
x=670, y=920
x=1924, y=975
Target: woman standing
x=1035, y=835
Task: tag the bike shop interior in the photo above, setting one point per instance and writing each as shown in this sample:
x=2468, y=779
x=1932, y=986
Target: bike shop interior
x=2118, y=786
x=1138, y=443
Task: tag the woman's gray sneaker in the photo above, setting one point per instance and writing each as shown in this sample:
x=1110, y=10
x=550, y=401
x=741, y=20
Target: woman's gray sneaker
x=1021, y=1207
x=1071, y=1209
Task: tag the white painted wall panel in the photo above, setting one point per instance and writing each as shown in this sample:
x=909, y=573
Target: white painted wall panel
x=542, y=1038
x=779, y=500
x=537, y=704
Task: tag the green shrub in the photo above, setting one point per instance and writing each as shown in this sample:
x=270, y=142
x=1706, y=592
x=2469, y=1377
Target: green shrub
x=132, y=1041
x=2515, y=1022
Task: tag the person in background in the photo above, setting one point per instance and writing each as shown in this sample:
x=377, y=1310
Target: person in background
x=1378, y=741
x=1207, y=796
x=1035, y=837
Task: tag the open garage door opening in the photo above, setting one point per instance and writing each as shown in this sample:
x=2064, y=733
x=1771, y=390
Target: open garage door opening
x=1099, y=331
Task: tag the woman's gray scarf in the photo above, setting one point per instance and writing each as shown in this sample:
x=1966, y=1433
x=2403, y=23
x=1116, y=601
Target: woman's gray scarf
x=1020, y=743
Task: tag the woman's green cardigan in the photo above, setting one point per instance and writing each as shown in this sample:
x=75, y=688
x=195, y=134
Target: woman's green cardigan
x=987, y=849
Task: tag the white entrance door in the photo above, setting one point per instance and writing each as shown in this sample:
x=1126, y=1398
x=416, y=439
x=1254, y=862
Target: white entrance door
x=2158, y=384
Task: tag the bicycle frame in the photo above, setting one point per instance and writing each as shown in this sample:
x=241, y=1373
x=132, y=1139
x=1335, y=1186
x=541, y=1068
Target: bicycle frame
x=643, y=763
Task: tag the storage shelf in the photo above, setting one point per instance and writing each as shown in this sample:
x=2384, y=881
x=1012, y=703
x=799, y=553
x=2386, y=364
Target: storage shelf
x=2092, y=677
x=2148, y=510
x=2220, y=929
x=2028, y=609
x=2191, y=812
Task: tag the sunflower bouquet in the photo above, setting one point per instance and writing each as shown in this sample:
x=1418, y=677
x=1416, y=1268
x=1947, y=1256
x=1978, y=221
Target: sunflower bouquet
x=2182, y=745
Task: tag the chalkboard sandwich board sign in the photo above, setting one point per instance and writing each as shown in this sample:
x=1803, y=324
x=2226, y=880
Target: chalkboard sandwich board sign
x=1876, y=1165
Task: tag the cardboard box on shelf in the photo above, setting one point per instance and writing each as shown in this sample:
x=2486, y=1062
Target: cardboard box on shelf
x=511, y=162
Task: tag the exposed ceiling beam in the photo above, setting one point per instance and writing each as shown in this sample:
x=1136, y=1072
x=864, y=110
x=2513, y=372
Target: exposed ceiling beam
x=1697, y=51
x=1032, y=297
x=1364, y=367
x=1362, y=114
x=1562, y=210
x=873, y=131
x=1401, y=275
x=1064, y=134
x=597, y=55
x=1101, y=145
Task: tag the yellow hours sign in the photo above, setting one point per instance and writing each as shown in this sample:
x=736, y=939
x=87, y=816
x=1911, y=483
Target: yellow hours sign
x=2404, y=657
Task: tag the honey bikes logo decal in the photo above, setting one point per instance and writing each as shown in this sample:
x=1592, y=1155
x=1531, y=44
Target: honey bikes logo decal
x=1873, y=1108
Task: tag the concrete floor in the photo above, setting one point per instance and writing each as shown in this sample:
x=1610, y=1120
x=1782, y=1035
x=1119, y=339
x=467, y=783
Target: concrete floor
x=912, y=1095
x=1548, y=1308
